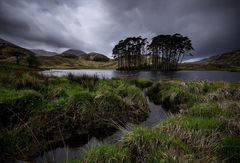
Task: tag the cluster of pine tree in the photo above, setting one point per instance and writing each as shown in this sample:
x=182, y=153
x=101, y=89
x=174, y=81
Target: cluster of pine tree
x=164, y=53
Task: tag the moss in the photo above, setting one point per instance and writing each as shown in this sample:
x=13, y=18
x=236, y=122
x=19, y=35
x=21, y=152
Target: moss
x=105, y=153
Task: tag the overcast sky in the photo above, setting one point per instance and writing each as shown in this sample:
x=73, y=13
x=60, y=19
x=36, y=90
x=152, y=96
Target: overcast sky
x=97, y=25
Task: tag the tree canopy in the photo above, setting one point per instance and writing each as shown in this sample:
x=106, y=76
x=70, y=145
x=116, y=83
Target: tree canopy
x=165, y=52
x=129, y=52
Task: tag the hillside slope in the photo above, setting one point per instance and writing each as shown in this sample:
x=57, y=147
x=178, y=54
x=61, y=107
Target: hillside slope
x=227, y=61
x=40, y=52
x=74, y=52
x=8, y=50
x=98, y=57
x=230, y=58
x=75, y=63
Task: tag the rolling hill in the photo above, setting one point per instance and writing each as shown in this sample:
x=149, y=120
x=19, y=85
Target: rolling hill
x=98, y=57
x=59, y=61
x=40, y=52
x=74, y=52
x=68, y=59
x=229, y=61
x=9, y=50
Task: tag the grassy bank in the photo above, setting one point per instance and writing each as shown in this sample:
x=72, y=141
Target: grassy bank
x=37, y=112
x=58, y=62
x=75, y=63
x=204, y=127
x=209, y=67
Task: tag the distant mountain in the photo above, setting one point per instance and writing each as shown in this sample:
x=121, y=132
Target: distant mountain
x=40, y=52
x=230, y=59
x=98, y=57
x=74, y=52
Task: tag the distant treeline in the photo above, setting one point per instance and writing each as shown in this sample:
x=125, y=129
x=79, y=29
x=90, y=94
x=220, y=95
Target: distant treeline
x=164, y=53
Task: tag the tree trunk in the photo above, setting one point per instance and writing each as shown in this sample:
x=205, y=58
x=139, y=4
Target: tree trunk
x=17, y=57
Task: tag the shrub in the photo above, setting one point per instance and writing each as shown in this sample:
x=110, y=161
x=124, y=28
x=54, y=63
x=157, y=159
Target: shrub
x=33, y=61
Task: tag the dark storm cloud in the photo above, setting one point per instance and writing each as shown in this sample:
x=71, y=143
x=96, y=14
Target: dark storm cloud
x=97, y=25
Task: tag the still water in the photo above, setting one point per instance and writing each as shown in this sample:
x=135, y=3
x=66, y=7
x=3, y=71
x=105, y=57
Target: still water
x=155, y=75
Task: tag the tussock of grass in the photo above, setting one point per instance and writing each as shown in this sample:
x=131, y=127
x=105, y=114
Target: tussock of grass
x=84, y=80
x=37, y=111
x=145, y=141
x=105, y=153
x=158, y=156
x=17, y=104
x=199, y=123
x=228, y=149
x=205, y=129
x=49, y=109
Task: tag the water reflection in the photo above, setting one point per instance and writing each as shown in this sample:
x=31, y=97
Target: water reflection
x=155, y=75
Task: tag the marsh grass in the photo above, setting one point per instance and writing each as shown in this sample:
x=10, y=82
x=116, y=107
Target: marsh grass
x=205, y=125
x=84, y=80
x=79, y=105
x=105, y=153
x=228, y=149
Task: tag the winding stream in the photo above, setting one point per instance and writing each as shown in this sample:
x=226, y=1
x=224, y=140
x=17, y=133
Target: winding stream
x=61, y=154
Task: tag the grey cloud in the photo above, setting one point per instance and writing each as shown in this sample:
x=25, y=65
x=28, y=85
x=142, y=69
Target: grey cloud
x=97, y=25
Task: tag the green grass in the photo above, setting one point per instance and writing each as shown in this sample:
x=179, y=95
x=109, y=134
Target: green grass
x=37, y=110
x=210, y=109
x=48, y=109
x=198, y=123
x=105, y=153
x=203, y=128
x=228, y=149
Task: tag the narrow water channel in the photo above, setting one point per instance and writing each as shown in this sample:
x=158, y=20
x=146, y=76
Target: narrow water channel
x=62, y=154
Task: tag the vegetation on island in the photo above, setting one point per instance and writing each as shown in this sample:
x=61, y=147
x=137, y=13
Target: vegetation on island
x=130, y=54
x=164, y=53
